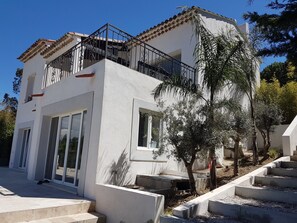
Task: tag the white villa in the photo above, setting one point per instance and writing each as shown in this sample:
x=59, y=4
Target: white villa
x=86, y=112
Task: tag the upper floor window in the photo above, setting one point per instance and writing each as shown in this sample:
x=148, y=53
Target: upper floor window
x=30, y=87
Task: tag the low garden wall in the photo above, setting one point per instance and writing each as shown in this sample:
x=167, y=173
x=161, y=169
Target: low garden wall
x=123, y=205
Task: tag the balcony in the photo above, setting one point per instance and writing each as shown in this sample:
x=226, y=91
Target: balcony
x=111, y=43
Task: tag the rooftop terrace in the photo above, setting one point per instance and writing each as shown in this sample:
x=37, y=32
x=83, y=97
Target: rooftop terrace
x=109, y=42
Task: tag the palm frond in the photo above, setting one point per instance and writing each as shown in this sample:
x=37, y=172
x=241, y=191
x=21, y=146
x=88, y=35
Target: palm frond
x=177, y=85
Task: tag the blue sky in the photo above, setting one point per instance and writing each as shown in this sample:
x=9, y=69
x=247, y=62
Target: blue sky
x=24, y=21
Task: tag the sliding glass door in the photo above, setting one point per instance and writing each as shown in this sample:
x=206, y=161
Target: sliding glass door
x=24, y=149
x=69, y=147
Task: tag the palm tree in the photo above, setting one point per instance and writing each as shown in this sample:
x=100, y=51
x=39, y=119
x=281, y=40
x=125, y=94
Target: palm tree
x=215, y=59
x=245, y=82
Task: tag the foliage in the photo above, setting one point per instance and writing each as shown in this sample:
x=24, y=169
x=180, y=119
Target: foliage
x=6, y=133
x=7, y=119
x=267, y=116
x=278, y=29
x=10, y=104
x=274, y=153
x=288, y=102
x=284, y=97
x=6, y=125
x=269, y=93
x=178, y=86
x=216, y=58
x=245, y=82
x=186, y=134
x=17, y=81
x=238, y=125
x=276, y=70
x=267, y=111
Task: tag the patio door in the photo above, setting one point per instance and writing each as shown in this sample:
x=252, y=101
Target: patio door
x=24, y=149
x=69, y=147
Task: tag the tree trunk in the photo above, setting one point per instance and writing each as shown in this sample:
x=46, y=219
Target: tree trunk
x=212, y=150
x=191, y=178
x=266, y=145
x=236, y=153
x=254, y=133
x=213, y=174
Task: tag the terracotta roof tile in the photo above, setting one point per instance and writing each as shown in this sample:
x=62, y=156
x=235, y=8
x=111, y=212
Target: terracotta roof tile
x=34, y=49
x=175, y=21
x=60, y=43
x=48, y=47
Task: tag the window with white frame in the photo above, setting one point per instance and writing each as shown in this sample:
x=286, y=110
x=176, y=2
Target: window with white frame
x=149, y=129
x=146, y=131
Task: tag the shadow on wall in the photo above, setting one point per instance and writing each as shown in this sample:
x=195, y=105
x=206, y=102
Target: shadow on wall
x=118, y=171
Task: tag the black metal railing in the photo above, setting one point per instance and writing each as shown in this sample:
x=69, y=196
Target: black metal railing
x=114, y=44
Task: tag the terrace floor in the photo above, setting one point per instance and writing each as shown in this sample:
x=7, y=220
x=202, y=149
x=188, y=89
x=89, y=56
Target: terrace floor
x=27, y=197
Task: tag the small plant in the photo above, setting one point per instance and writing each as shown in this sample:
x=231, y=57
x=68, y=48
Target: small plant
x=274, y=153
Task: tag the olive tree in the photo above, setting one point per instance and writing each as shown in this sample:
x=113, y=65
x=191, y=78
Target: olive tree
x=185, y=134
x=238, y=125
x=267, y=111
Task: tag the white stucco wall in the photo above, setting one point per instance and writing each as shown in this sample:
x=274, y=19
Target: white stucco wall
x=26, y=110
x=55, y=102
x=289, y=139
x=122, y=86
x=276, y=137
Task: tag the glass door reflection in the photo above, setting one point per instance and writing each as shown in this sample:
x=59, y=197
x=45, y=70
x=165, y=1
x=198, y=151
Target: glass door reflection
x=69, y=148
x=62, y=145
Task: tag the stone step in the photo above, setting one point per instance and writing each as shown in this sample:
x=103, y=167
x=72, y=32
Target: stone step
x=75, y=218
x=152, y=181
x=289, y=172
x=201, y=219
x=266, y=194
x=276, y=181
x=293, y=158
x=29, y=209
x=252, y=211
x=162, y=181
x=288, y=164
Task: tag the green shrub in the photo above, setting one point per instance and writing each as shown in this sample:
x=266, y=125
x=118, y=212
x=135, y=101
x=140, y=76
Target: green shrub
x=274, y=153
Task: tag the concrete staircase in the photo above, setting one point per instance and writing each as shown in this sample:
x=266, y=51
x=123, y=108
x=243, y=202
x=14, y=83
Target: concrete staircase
x=53, y=210
x=270, y=198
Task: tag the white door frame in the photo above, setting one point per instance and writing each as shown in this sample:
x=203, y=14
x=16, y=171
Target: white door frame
x=70, y=115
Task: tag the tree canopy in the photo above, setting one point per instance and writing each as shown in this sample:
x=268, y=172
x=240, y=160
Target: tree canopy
x=278, y=30
x=268, y=113
x=8, y=109
x=284, y=72
x=288, y=101
x=16, y=85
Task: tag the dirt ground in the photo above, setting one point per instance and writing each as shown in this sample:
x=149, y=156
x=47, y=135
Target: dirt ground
x=224, y=175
